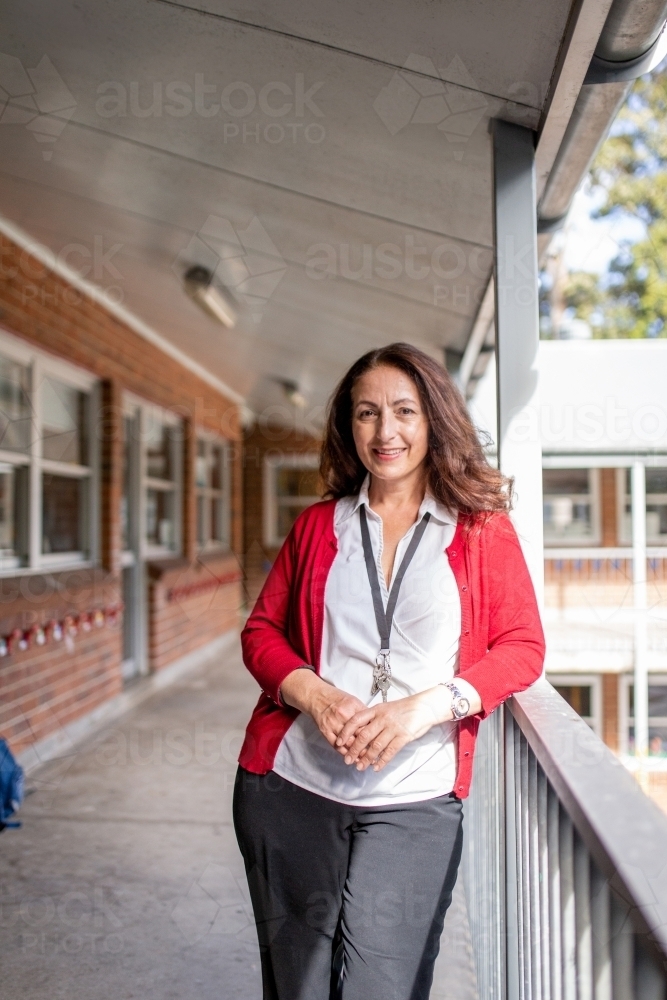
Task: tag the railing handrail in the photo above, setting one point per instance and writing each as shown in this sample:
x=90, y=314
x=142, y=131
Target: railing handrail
x=624, y=831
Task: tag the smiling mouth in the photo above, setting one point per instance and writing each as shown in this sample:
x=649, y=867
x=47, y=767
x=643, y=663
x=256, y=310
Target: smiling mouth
x=386, y=454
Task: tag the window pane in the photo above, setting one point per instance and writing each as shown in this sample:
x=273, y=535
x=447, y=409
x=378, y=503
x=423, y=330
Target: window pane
x=578, y=696
x=657, y=741
x=564, y=481
x=13, y=515
x=201, y=520
x=567, y=504
x=62, y=511
x=656, y=480
x=297, y=482
x=158, y=440
x=216, y=470
x=160, y=518
x=200, y=464
x=656, y=521
x=15, y=416
x=216, y=514
x=64, y=437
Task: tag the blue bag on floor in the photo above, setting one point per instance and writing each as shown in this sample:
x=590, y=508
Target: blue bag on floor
x=11, y=786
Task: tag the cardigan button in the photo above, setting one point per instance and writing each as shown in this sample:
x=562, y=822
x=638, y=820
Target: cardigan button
x=452, y=554
x=467, y=632
x=464, y=587
x=466, y=753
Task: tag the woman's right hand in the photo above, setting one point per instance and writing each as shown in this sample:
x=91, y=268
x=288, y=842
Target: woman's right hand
x=327, y=705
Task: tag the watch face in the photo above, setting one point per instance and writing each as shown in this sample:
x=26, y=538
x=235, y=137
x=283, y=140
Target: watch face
x=462, y=707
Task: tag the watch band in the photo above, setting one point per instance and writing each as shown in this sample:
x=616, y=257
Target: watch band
x=460, y=704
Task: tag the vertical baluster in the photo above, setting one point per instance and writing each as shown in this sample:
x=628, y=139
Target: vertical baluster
x=544, y=881
x=553, y=837
x=569, y=957
x=512, y=932
x=600, y=935
x=622, y=949
x=582, y=896
x=525, y=869
x=534, y=881
x=649, y=977
x=521, y=910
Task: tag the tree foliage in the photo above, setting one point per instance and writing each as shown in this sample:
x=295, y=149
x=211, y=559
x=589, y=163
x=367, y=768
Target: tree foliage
x=630, y=169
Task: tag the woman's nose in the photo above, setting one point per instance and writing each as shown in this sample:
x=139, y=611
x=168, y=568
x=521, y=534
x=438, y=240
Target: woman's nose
x=386, y=426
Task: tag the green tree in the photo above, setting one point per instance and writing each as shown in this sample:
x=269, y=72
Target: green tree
x=630, y=299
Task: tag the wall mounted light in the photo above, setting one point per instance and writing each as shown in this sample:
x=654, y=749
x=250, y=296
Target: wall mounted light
x=292, y=393
x=211, y=297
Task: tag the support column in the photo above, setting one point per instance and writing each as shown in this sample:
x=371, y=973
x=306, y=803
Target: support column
x=638, y=490
x=517, y=335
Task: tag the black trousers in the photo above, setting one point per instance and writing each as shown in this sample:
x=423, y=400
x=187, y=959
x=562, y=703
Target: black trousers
x=349, y=902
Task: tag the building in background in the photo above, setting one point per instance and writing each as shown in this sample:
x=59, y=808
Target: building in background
x=120, y=497
x=602, y=409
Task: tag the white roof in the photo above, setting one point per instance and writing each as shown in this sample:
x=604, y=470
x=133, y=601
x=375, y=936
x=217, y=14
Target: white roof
x=595, y=397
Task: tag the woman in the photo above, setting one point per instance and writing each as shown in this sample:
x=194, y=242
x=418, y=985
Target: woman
x=398, y=613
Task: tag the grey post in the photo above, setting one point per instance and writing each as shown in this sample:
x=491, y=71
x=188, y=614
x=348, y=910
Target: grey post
x=517, y=333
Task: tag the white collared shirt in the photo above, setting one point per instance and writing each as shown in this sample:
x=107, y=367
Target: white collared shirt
x=424, y=652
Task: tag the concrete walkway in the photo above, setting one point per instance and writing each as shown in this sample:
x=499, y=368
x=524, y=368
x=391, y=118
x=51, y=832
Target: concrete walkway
x=125, y=880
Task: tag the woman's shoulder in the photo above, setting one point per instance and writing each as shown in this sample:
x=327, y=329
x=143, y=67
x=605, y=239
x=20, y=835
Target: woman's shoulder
x=490, y=527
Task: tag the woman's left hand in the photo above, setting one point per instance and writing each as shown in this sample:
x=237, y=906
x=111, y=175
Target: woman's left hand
x=375, y=735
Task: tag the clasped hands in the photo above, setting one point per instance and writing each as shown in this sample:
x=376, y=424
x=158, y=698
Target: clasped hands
x=365, y=737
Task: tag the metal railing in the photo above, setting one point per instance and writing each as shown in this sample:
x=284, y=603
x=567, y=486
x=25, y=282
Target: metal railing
x=565, y=864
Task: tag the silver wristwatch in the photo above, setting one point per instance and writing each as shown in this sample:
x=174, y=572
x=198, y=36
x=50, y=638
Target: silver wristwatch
x=460, y=704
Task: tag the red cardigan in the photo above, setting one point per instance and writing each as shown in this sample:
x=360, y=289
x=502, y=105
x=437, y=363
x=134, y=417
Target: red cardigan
x=502, y=643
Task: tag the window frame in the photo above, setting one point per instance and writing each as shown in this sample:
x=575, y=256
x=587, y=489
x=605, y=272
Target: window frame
x=623, y=498
x=173, y=486
x=224, y=494
x=272, y=463
x=594, y=682
x=655, y=679
x=40, y=366
x=595, y=538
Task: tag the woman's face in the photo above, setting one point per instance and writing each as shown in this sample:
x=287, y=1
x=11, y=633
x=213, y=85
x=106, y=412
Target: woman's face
x=389, y=425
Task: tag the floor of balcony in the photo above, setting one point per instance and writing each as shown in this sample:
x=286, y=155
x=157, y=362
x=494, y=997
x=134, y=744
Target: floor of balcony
x=125, y=879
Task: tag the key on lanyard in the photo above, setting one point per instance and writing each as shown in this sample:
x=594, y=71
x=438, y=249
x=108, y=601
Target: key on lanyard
x=385, y=619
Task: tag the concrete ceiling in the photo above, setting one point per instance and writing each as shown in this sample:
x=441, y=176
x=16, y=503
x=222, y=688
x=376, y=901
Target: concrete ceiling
x=283, y=140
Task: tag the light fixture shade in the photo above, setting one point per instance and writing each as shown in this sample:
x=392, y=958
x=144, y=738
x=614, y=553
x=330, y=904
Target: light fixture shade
x=215, y=301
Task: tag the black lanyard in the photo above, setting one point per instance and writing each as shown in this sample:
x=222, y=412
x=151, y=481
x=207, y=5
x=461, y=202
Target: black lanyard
x=385, y=619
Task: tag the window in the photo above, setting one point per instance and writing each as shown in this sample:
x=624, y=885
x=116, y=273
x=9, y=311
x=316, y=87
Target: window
x=570, y=506
x=657, y=717
x=47, y=462
x=161, y=436
x=212, y=494
x=583, y=694
x=656, y=506
x=291, y=483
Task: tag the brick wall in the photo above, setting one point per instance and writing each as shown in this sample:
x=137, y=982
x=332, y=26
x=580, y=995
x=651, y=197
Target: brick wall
x=45, y=687
x=610, y=706
x=260, y=441
x=190, y=604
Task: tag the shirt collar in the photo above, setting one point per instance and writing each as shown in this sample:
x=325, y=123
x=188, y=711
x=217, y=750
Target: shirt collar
x=350, y=505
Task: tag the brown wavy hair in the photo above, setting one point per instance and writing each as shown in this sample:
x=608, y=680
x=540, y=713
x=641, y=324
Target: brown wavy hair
x=458, y=473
